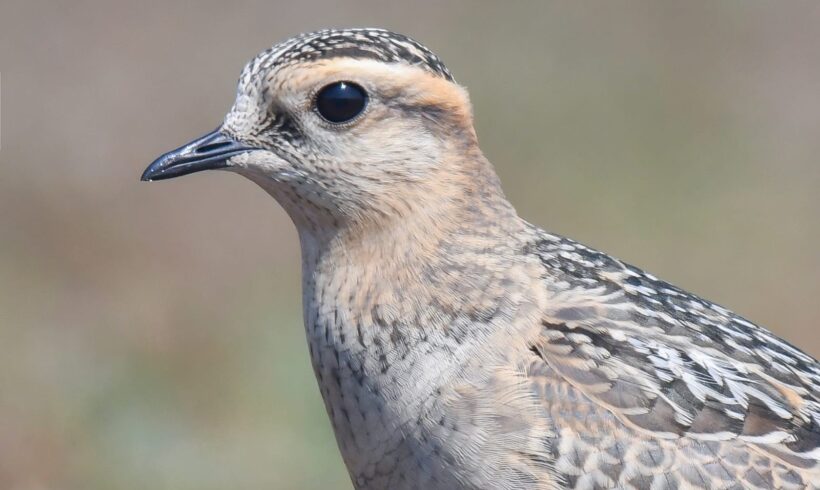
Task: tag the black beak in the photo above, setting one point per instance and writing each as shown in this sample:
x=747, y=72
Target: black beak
x=206, y=153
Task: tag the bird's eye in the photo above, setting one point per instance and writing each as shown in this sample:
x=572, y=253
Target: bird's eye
x=341, y=101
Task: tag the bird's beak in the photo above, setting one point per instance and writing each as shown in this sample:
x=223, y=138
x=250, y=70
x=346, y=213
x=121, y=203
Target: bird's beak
x=208, y=152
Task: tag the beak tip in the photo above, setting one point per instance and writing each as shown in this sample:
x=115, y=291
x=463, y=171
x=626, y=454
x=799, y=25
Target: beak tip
x=153, y=170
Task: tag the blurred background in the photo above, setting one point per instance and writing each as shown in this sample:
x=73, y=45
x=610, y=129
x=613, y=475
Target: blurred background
x=151, y=334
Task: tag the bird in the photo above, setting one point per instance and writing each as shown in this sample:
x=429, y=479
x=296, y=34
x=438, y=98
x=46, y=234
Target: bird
x=458, y=346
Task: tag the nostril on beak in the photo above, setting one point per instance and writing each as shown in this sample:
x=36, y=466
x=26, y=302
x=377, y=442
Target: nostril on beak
x=213, y=146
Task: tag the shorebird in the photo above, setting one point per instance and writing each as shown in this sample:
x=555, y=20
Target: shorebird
x=457, y=346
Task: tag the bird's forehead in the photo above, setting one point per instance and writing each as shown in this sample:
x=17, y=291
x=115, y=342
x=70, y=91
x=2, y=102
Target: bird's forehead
x=373, y=44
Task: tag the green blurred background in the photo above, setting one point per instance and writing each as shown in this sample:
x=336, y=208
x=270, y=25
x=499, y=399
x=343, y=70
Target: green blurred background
x=150, y=334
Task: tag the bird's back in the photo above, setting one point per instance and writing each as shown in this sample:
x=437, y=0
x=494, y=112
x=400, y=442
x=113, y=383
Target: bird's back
x=652, y=387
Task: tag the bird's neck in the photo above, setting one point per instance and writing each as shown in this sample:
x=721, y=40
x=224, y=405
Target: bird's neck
x=471, y=218
x=445, y=259
x=394, y=313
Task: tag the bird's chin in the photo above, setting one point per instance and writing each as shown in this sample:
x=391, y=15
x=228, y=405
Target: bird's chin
x=261, y=166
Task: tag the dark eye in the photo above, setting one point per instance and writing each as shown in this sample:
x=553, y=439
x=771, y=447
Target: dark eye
x=341, y=101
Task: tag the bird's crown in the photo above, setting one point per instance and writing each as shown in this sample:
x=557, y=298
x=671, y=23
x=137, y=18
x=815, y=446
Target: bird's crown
x=362, y=43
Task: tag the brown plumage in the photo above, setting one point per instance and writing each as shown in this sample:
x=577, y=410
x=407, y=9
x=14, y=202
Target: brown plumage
x=457, y=346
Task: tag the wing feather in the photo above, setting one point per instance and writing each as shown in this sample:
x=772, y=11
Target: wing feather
x=671, y=364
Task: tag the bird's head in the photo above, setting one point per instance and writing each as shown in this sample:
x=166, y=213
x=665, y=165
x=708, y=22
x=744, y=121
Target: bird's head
x=341, y=125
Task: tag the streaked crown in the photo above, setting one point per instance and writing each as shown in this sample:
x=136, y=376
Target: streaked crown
x=362, y=43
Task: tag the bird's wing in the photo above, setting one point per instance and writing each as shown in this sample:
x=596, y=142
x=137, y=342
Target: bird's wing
x=671, y=364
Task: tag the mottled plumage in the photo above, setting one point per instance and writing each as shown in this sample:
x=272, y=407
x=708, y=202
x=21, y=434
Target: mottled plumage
x=457, y=346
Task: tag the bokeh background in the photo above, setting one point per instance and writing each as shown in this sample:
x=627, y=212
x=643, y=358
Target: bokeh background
x=150, y=334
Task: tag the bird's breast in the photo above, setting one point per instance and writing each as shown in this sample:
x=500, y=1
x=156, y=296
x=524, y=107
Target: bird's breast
x=409, y=371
